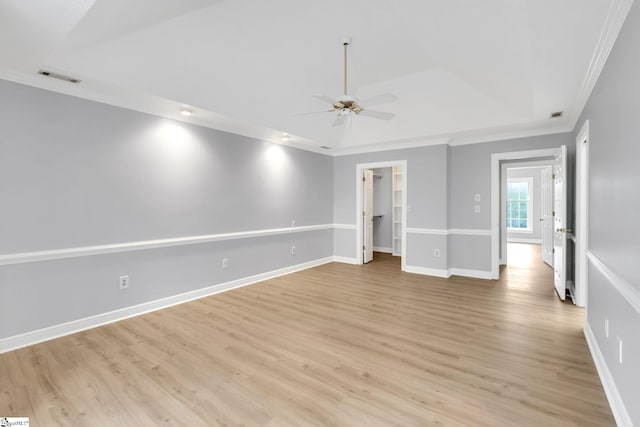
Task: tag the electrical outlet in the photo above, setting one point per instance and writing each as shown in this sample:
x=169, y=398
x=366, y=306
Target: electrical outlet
x=606, y=328
x=619, y=350
x=476, y=208
x=293, y=223
x=293, y=250
x=436, y=253
x=476, y=197
x=124, y=282
x=225, y=263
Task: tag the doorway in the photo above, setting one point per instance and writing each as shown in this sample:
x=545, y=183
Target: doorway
x=386, y=215
x=527, y=208
x=558, y=159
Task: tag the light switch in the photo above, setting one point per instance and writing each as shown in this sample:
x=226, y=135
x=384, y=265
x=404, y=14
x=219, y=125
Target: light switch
x=476, y=208
x=477, y=197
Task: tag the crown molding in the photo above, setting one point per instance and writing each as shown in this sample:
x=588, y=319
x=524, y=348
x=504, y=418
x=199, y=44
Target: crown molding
x=618, y=11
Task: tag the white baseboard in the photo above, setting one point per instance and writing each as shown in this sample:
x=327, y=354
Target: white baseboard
x=611, y=391
x=56, y=331
x=346, y=260
x=383, y=250
x=520, y=240
x=427, y=271
x=477, y=274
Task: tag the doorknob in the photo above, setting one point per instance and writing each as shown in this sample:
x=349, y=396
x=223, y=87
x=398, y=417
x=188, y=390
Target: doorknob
x=563, y=230
x=541, y=219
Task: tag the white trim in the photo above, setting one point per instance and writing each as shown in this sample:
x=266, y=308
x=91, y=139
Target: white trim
x=618, y=11
x=581, y=223
x=469, y=232
x=36, y=256
x=56, y=331
x=610, y=390
x=451, y=231
x=383, y=250
x=478, y=274
x=436, y=272
x=431, y=231
x=389, y=145
x=520, y=240
x=360, y=167
x=625, y=288
x=346, y=260
x=496, y=158
x=344, y=226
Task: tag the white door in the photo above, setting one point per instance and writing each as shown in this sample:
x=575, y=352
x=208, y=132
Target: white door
x=546, y=216
x=367, y=216
x=560, y=231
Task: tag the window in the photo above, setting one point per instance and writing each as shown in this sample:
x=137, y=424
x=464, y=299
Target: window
x=519, y=204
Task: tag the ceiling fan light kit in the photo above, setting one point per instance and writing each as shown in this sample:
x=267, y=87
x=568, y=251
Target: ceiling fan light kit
x=348, y=105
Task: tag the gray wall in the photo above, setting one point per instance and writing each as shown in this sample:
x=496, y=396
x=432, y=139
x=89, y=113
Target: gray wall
x=536, y=201
x=614, y=203
x=77, y=173
x=382, y=205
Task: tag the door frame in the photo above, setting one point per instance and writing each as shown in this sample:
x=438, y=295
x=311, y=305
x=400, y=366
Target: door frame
x=496, y=161
x=582, y=216
x=360, y=167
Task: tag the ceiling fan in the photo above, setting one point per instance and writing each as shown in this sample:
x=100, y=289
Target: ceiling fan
x=348, y=105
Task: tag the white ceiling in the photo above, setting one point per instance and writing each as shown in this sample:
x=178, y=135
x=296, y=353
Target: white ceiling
x=463, y=70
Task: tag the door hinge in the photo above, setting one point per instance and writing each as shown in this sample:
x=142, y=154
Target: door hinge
x=553, y=213
x=364, y=213
x=553, y=251
x=364, y=179
x=363, y=248
x=553, y=176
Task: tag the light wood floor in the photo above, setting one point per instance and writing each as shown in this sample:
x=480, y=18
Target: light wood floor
x=334, y=345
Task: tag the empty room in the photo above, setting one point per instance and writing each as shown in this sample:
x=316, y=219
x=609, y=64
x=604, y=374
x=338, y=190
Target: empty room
x=337, y=213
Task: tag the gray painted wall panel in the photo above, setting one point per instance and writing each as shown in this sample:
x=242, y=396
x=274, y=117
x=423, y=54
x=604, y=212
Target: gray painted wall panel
x=605, y=302
x=77, y=173
x=470, y=252
x=344, y=242
x=614, y=203
x=420, y=249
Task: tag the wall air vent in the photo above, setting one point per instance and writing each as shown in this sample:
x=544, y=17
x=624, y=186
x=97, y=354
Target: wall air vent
x=557, y=114
x=58, y=76
x=324, y=147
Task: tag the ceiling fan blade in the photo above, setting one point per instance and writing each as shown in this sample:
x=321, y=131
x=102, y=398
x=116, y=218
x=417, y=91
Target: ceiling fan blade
x=377, y=114
x=326, y=99
x=340, y=118
x=313, y=112
x=379, y=99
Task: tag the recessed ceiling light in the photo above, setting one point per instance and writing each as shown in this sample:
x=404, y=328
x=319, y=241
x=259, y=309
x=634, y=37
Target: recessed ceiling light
x=186, y=111
x=556, y=114
x=285, y=137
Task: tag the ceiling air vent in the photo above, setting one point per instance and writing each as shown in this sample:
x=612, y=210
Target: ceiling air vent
x=58, y=76
x=557, y=114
